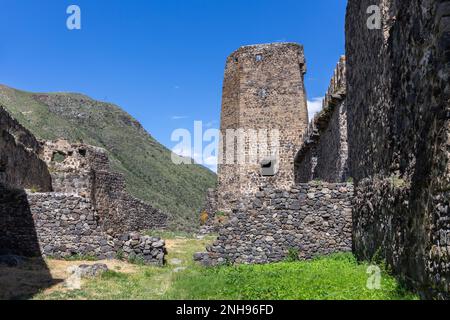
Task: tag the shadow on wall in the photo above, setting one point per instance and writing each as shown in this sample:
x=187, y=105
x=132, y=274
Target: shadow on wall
x=23, y=271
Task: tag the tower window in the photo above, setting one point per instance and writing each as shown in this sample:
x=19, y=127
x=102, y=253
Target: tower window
x=258, y=58
x=269, y=167
x=58, y=157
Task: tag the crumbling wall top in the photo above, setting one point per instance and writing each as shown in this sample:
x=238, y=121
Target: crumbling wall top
x=268, y=49
x=64, y=156
x=20, y=134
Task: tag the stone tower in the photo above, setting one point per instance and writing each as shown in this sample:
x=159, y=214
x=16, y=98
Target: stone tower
x=263, y=93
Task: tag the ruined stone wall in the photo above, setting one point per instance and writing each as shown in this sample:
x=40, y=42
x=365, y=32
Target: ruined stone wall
x=21, y=135
x=398, y=113
x=324, y=154
x=19, y=163
x=119, y=211
x=263, y=90
x=78, y=197
x=85, y=171
x=63, y=225
x=67, y=225
x=72, y=165
x=313, y=218
x=150, y=250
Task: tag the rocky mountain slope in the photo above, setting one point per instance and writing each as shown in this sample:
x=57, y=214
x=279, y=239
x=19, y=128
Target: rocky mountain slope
x=150, y=174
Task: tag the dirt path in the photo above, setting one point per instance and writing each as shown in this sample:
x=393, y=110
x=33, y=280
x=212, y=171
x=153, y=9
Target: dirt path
x=48, y=279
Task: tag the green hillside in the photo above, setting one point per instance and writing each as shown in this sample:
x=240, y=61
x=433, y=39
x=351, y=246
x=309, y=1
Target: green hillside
x=146, y=164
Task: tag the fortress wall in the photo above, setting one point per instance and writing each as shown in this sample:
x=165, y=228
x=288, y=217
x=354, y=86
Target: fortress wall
x=84, y=170
x=398, y=112
x=305, y=165
x=313, y=218
x=332, y=152
x=51, y=224
x=19, y=164
x=324, y=154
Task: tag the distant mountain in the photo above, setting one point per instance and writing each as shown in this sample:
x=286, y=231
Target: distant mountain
x=150, y=174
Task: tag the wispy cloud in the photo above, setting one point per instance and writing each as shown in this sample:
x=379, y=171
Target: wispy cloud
x=179, y=117
x=314, y=107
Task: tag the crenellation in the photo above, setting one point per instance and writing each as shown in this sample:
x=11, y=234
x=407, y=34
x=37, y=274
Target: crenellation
x=324, y=153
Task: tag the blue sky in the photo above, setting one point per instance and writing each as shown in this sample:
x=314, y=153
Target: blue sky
x=161, y=61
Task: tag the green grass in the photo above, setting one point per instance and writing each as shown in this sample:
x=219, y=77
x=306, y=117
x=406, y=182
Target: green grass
x=81, y=257
x=337, y=277
x=146, y=164
x=169, y=234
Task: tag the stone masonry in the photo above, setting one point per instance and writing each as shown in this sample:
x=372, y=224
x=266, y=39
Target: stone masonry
x=398, y=103
x=19, y=146
x=62, y=225
x=324, y=153
x=67, y=225
x=263, y=90
x=311, y=219
x=84, y=170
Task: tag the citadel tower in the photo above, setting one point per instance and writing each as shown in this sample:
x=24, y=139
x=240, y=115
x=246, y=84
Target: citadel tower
x=263, y=90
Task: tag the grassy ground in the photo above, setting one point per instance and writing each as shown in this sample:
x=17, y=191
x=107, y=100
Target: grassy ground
x=338, y=277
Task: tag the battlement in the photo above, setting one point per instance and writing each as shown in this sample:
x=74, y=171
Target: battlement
x=324, y=153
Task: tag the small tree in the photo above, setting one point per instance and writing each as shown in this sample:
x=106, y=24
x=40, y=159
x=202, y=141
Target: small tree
x=204, y=217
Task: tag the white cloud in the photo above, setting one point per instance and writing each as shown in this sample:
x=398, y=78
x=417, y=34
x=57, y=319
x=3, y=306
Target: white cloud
x=179, y=117
x=314, y=107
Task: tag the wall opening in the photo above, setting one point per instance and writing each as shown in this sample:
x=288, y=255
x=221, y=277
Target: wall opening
x=269, y=167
